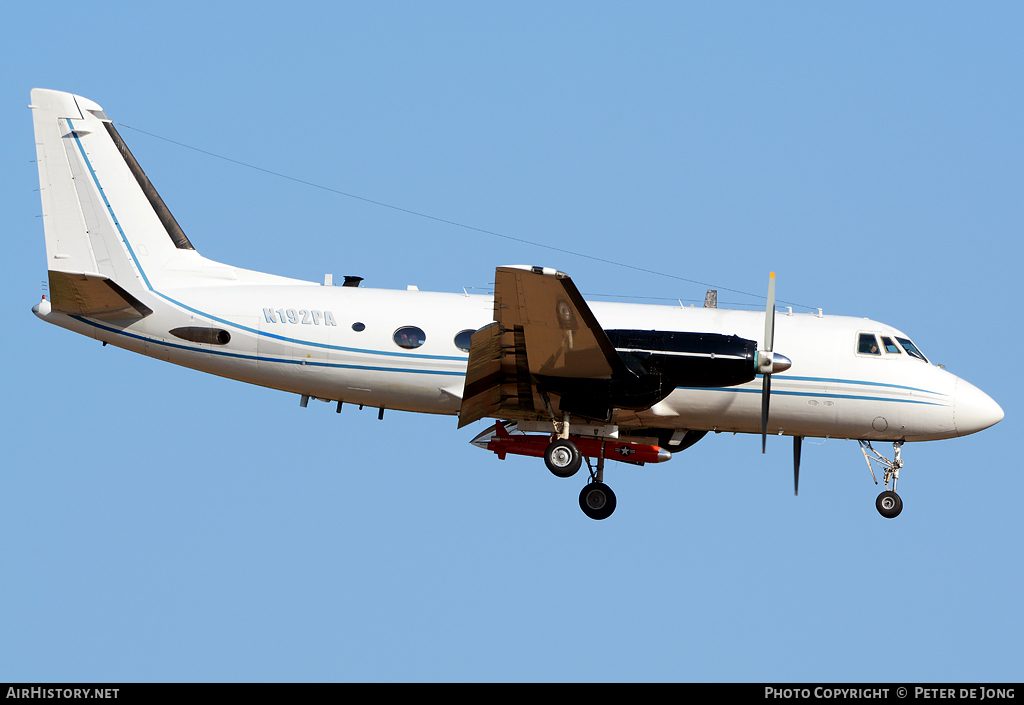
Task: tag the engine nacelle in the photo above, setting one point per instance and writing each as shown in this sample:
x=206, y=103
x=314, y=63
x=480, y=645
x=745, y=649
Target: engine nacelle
x=689, y=359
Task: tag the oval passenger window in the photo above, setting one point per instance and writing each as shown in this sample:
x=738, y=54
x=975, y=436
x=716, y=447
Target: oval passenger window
x=410, y=337
x=463, y=339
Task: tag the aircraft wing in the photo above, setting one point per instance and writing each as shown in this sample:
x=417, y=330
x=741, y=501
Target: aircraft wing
x=542, y=329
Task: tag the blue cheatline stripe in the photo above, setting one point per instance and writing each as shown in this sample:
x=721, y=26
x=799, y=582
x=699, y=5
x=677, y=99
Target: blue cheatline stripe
x=850, y=381
x=816, y=395
x=257, y=358
x=145, y=279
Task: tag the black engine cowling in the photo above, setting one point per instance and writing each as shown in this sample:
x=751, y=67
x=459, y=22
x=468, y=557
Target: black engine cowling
x=657, y=362
x=688, y=359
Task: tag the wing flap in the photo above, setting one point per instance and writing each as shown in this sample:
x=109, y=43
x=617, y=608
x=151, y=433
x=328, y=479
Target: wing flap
x=498, y=379
x=483, y=375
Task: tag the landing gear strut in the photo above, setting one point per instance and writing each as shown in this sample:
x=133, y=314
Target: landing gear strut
x=564, y=459
x=889, y=504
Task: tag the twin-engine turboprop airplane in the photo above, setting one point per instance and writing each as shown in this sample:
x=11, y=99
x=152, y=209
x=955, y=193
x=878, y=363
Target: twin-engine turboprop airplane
x=565, y=379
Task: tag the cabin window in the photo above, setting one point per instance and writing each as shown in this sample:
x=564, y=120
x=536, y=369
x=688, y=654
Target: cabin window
x=463, y=339
x=358, y=327
x=410, y=337
x=890, y=347
x=911, y=349
x=868, y=344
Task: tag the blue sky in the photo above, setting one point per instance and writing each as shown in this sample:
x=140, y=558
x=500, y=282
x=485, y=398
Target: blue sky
x=160, y=524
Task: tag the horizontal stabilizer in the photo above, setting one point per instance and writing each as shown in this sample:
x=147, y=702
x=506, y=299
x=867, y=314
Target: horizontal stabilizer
x=93, y=296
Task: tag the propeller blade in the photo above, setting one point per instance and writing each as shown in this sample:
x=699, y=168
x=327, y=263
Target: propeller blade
x=796, y=464
x=769, y=340
x=766, y=392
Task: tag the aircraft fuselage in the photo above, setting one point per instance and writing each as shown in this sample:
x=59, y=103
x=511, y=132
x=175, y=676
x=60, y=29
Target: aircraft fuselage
x=337, y=343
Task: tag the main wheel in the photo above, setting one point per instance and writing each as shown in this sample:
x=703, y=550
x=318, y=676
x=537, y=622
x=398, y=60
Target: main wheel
x=889, y=504
x=563, y=458
x=597, y=500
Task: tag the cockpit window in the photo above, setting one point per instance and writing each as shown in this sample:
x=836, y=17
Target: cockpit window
x=890, y=347
x=868, y=344
x=410, y=337
x=911, y=349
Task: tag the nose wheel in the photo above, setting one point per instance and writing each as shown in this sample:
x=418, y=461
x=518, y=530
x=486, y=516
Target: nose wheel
x=889, y=504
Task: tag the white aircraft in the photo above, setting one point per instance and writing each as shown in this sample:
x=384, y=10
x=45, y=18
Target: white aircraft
x=643, y=383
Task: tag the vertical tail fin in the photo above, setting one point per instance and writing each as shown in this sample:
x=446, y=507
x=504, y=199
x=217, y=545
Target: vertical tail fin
x=101, y=215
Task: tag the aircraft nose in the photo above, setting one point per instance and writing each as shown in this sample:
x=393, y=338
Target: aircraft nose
x=973, y=409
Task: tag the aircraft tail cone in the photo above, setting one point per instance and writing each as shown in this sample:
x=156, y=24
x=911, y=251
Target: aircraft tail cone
x=43, y=308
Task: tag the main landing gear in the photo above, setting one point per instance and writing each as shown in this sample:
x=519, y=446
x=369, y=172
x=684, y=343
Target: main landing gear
x=564, y=454
x=597, y=500
x=564, y=459
x=889, y=504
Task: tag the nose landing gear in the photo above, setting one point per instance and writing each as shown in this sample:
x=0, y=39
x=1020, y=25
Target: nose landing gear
x=889, y=504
